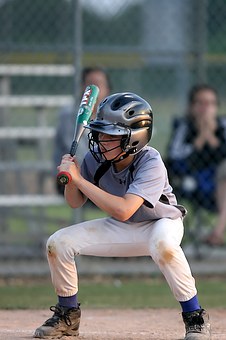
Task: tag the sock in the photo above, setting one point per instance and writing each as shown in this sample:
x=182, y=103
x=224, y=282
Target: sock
x=190, y=305
x=68, y=301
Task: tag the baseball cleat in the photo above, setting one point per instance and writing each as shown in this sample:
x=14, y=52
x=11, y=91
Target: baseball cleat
x=197, y=325
x=64, y=322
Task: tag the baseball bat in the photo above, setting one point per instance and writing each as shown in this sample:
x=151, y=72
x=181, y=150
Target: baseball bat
x=84, y=113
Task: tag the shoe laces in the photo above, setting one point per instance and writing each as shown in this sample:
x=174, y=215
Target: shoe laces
x=60, y=313
x=195, y=321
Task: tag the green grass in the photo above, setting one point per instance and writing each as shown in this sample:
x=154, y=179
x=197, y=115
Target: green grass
x=110, y=293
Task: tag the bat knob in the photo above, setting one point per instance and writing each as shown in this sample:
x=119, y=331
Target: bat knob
x=64, y=178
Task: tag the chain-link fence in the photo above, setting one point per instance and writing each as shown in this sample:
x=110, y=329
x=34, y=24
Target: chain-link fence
x=156, y=48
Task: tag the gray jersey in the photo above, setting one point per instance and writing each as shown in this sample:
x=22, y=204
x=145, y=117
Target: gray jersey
x=145, y=177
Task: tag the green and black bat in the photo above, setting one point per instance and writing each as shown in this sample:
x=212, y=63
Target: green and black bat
x=84, y=113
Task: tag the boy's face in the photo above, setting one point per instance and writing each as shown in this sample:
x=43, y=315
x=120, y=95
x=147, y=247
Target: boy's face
x=110, y=145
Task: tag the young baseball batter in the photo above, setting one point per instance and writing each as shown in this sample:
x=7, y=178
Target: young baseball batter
x=128, y=180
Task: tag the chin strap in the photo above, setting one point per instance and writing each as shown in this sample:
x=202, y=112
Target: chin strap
x=120, y=158
x=128, y=153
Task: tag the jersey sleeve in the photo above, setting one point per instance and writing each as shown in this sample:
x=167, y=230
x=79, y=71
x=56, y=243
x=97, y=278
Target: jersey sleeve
x=149, y=180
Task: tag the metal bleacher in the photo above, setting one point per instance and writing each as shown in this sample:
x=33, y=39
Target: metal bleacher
x=12, y=169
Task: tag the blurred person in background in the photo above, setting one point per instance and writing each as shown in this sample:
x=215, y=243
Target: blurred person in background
x=66, y=119
x=197, y=156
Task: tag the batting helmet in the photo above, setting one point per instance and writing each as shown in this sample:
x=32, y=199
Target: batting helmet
x=124, y=114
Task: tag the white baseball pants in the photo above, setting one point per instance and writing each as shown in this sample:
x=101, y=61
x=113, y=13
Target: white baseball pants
x=108, y=237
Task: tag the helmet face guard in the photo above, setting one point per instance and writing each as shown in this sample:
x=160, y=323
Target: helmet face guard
x=122, y=114
x=98, y=150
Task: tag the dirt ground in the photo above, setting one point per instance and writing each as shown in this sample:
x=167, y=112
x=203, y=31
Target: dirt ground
x=159, y=324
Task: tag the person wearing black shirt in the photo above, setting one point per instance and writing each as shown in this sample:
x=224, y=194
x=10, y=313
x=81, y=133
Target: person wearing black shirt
x=197, y=156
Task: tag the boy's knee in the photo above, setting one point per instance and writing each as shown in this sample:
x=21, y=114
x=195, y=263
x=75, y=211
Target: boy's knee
x=52, y=246
x=57, y=244
x=164, y=252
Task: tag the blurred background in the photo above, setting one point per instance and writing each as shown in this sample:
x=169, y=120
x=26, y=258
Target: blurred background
x=155, y=48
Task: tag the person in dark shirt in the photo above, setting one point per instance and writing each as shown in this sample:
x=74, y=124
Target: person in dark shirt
x=197, y=156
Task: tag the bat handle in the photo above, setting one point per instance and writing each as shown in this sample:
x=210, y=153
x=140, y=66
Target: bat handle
x=74, y=147
x=64, y=178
